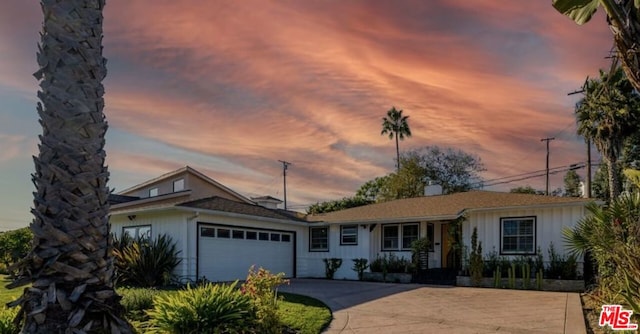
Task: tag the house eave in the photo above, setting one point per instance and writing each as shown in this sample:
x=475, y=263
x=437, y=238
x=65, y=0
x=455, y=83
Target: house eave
x=147, y=200
x=388, y=220
x=530, y=207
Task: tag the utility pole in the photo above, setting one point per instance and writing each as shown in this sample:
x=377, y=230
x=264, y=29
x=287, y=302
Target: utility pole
x=285, y=165
x=548, y=139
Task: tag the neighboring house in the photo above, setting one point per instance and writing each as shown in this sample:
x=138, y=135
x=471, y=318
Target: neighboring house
x=221, y=233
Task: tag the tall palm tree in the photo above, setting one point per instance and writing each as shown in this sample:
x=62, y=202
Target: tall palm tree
x=607, y=115
x=70, y=267
x=396, y=125
x=623, y=17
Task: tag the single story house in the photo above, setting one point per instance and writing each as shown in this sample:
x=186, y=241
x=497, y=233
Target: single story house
x=221, y=233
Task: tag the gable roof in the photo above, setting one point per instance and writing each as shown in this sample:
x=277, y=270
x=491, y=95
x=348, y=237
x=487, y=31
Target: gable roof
x=216, y=203
x=442, y=206
x=191, y=171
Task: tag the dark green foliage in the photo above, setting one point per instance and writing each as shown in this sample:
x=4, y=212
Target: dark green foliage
x=476, y=265
x=526, y=190
x=145, y=263
x=572, y=184
x=14, y=245
x=359, y=266
x=390, y=263
x=331, y=266
x=261, y=286
x=561, y=267
x=205, y=309
x=455, y=170
x=335, y=205
x=420, y=253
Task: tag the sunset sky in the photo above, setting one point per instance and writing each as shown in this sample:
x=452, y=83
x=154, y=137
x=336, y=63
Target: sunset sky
x=231, y=87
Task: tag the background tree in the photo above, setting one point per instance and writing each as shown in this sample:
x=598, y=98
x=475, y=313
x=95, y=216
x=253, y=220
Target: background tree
x=608, y=115
x=526, y=190
x=372, y=189
x=336, y=205
x=396, y=125
x=70, y=266
x=409, y=182
x=623, y=19
x=14, y=245
x=572, y=184
x=453, y=169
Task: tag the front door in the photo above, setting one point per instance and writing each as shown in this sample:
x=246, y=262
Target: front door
x=446, y=245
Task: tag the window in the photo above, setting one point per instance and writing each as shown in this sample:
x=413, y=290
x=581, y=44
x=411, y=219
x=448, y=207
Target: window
x=138, y=232
x=208, y=232
x=518, y=235
x=319, y=239
x=286, y=238
x=399, y=236
x=153, y=192
x=252, y=235
x=237, y=234
x=409, y=235
x=263, y=236
x=178, y=185
x=349, y=235
x=390, y=237
x=224, y=233
x=275, y=237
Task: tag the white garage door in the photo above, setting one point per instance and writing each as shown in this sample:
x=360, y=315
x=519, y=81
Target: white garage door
x=225, y=253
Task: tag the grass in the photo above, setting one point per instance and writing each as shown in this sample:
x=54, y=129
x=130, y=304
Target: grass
x=304, y=314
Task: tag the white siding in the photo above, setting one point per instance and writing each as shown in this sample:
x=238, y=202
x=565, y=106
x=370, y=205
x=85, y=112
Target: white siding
x=169, y=223
x=550, y=222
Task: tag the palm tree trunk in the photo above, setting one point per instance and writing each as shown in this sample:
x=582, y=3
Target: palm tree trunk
x=614, y=181
x=397, y=154
x=70, y=267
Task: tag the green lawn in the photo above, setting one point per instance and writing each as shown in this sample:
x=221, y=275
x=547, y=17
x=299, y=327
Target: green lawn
x=304, y=314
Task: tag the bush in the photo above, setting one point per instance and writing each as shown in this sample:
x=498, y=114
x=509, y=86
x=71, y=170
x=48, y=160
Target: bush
x=206, y=309
x=14, y=245
x=359, y=266
x=331, y=266
x=145, y=263
x=136, y=301
x=390, y=263
x=475, y=259
x=561, y=267
x=261, y=286
x=6, y=320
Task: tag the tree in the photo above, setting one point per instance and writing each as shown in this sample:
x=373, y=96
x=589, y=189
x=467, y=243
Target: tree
x=455, y=170
x=526, y=190
x=70, y=266
x=336, y=205
x=623, y=18
x=608, y=115
x=14, y=245
x=408, y=182
x=372, y=189
x=396, y=125
x=572, y=184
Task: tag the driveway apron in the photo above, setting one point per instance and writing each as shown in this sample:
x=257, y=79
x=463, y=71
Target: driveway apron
x=367, y=307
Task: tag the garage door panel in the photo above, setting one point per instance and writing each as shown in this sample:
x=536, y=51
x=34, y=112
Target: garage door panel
x=223, y=258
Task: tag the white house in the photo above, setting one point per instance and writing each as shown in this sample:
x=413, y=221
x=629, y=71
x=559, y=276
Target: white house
x=221, y=233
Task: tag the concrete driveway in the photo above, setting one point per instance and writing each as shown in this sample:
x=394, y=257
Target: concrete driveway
x=366, y=307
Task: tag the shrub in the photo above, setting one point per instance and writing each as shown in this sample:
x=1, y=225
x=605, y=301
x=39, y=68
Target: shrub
x=7, y=326
x=136, y=301
x=331, y=266
x=261, y=286
x=560, y=266
x=359, y=266
x=475, y=259
x=145, y=263
x=205, y=309
x=390, y=263
x=14, y=245
x=420, y=253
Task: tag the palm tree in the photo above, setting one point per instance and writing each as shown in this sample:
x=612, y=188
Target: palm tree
x=70, y=266
x=623, y=17
x=395, y=125
x=607, y=115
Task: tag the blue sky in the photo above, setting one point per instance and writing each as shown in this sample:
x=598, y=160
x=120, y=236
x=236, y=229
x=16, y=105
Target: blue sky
x=230, y=88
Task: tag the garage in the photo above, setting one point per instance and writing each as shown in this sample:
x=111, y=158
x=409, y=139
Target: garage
x=226, y=252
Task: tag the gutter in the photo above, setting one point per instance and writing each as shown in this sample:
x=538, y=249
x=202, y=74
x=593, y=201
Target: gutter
x=390, y=220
